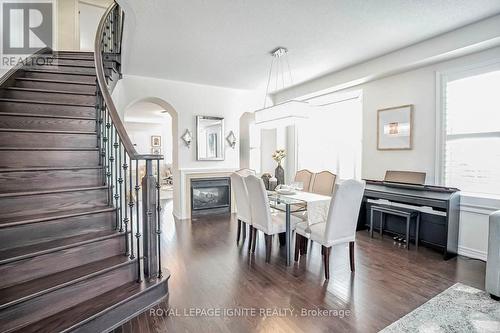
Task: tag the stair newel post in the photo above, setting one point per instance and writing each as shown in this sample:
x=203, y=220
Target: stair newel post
x=131, y=210
x=150, y=238
x=137, y=234
x=109, y=169
x=123, y=204
x=158, y=216
x=119, y=191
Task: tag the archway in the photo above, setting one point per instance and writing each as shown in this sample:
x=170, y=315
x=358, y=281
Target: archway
x=147, y=119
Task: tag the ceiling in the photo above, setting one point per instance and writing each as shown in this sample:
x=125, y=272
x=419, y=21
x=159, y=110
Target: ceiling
x=227, y=42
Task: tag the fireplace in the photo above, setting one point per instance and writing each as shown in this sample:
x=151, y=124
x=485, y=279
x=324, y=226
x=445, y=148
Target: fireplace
x=210, y=196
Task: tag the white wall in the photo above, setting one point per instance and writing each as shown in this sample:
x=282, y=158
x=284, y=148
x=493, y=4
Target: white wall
x=189, y=100
x=140, y=133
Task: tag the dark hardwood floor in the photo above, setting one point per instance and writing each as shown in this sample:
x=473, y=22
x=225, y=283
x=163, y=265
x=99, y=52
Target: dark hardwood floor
x=210, y=271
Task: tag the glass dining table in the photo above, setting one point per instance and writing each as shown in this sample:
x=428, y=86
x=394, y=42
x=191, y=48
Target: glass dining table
x=288, y=205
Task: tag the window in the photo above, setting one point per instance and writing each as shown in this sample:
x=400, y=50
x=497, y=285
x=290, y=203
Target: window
x=471, y=156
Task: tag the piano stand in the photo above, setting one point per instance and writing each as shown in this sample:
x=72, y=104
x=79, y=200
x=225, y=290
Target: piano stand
x=408, y=214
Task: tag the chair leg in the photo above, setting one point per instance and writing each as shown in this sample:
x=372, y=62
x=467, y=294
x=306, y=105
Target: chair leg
x=305, y=240
x=326, y=261
x=282, y=238
x=244, y=225
x=238, y=232
x=269, y=242
x=351, y=255
x=298, y=242
x=254, y=239
x=250, y=236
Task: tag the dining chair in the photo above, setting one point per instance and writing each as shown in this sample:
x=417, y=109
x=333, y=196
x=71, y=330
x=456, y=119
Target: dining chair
x=262, y=218
x=340, y=225
x=304, y=176
x=243, y=213
x=323, y=183
x=245, y=172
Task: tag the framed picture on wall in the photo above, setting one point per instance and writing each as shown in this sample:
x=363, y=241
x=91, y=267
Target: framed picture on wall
x=155, y=141
x=156, y=151
x=395, y=127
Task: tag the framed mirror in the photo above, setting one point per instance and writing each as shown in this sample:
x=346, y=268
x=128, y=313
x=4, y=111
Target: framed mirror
x=209, y=138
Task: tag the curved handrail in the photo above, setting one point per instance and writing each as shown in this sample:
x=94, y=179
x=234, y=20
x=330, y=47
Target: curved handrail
x=105, y=92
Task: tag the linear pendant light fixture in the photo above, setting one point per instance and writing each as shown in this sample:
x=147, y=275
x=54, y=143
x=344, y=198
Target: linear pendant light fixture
x=288, y=111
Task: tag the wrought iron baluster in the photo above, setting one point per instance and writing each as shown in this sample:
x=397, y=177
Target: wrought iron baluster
x=116, y=196
x=119, y=180
x=109, y=171
x=102, y=151
x=158, y=216
x=138, y=234
x=131, y=210
x=124, y=201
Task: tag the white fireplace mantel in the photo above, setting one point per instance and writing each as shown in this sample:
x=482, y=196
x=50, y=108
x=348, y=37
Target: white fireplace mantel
x=185, y=176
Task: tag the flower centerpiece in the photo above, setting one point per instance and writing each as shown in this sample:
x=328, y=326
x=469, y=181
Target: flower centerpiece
x=279, y=173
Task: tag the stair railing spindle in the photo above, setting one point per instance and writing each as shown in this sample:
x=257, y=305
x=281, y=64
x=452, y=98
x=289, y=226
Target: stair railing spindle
x=123, y=203
x=131, y=210
x=158, y=216
x=138, y=234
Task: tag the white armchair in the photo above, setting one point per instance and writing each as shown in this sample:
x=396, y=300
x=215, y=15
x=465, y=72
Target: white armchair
x=340, y=226
x=262, y=219
x=243, y=213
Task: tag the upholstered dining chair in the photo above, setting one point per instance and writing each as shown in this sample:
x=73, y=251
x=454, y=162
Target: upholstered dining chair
x=304, y=176
x=323, y=183
x=243, y=213
x=340, y=226
x=245, y=172
x=262, y=218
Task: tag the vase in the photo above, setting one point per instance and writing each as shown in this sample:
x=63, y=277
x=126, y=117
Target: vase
x=279, y=173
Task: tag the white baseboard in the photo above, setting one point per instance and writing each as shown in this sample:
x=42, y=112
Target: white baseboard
x=472, y=253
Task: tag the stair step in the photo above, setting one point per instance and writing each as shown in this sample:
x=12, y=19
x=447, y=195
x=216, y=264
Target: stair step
x=71, y=68
x=46, y=122
x=58, y=215
x=77, y=54
x=60, y=85
x=41, y=107
x=54, y=139
x=106, y=310
x=40, y=286
x=81, y=61
x=15, y=157
x=39, y=228
x=48, y=178
x=21, y=314
x=21, y=264
x=59, y=75
x=32, y=202
x=45, y=95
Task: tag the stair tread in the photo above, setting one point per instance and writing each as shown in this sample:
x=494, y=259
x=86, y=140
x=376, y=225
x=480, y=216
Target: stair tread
x=50, y=91
x=55, y=81
x=36, y=115
x=33, y=250
x=34, y=101
x=52, y=71
x=27, y=219
x=30, y=289
x=34, y=169
x=56, y=190
x=74, y=316
x=48, y=149
x=45, y=131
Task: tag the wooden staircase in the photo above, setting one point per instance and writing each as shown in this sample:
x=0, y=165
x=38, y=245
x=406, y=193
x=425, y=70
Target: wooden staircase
x=65, y=264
